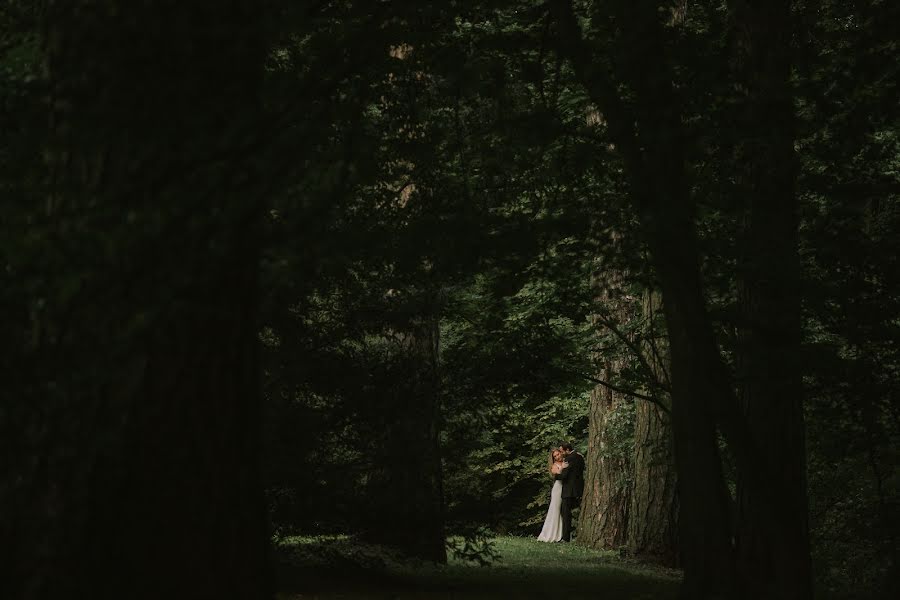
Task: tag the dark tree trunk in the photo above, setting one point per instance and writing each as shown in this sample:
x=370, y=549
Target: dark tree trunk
x=406, y=508
x=699, y=385
x=148, y=482
x=773, y=536
x=702, y=393
x=652, y=534
x=420, y=470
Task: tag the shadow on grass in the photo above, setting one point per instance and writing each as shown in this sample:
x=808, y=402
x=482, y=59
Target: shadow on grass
x=341, y=568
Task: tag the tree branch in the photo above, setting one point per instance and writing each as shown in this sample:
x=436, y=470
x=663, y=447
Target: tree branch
x=599, y=85
x=621, y=390
x=635, y=349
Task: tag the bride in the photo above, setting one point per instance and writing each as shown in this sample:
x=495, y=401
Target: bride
x=552, y=531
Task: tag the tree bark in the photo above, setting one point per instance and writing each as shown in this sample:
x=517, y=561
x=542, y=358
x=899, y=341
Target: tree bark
x=603, y=518
x=700, y=384
x=148, y=483
x=773, y=536
x=652, y=534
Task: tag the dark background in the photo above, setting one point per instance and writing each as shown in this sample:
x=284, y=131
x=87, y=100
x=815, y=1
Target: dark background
x=306, y=268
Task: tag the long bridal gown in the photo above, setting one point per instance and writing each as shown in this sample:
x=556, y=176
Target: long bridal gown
x=552, y=531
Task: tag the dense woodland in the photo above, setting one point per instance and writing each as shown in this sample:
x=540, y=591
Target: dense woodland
x=327, y=268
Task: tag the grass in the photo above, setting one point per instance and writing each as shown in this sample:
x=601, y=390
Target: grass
x=338, y=568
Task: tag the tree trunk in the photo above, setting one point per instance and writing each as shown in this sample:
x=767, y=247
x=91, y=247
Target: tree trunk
x=652, y=532
x=603, y=518
x=702, y=389
x=148, y=482
x=699, y=384
x=406, y=508
x=773, y=536
x=423, y=510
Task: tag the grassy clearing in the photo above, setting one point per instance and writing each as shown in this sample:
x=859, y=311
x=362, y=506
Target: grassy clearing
x=338, y=568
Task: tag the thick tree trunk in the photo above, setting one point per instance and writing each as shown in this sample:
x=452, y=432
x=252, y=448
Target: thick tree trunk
x=773, y=537
x=148, y=484
x=652, y=534
x=702, y=391
x=699, y=384
x=180, y=507
x=603, y=518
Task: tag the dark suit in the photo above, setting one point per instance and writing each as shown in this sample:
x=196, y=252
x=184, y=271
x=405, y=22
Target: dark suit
x=572, y=478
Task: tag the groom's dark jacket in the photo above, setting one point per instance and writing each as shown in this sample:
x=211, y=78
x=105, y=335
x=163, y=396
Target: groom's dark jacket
x=572, y=477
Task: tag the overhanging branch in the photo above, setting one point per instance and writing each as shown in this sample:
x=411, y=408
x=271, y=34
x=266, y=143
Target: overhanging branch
x=622, y=390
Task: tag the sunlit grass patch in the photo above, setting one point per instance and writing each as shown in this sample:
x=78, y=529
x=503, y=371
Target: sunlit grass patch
x=526, y=569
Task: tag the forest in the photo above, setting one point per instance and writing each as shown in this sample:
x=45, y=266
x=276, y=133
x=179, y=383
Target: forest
x=297, y=298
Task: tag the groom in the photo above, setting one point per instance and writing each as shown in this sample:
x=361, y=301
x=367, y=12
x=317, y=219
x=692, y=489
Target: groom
x=572, y=477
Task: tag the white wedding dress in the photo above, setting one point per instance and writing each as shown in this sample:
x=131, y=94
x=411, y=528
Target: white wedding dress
x=552, y=531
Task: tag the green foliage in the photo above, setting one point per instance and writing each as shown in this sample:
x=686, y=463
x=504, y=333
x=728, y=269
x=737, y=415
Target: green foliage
x=476, y=546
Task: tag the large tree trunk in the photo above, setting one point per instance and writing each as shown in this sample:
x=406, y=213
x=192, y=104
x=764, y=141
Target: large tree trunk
x=147, y=482
x=773, y=537
x=603, y=518
x=699, y=385
x=702, y=392
x=652, y=532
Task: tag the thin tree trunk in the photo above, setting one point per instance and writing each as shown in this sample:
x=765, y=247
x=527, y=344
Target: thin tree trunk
x=773, y=536
x=406, y=492
x=424, y=508
x=148, y=480
x=652, y=534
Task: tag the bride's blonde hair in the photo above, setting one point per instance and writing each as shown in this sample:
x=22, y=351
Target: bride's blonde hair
x=550, y=461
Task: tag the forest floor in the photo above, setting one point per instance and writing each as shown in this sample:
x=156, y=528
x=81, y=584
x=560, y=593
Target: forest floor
x=314, y=568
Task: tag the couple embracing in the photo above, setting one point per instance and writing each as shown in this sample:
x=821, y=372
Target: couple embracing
x=567, y=469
